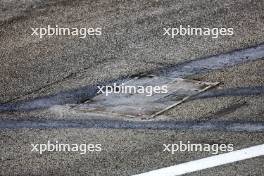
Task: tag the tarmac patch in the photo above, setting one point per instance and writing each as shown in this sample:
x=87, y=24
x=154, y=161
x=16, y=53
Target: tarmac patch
x=141, y=106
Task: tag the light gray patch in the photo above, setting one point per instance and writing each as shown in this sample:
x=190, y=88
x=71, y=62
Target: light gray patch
x=141, y=105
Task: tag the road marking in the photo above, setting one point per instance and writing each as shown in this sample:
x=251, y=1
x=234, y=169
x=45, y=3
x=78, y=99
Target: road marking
x=208, y=162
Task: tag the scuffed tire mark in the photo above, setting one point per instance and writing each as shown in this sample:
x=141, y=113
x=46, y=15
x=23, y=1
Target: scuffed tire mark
x=239, y=91
x=227, y=126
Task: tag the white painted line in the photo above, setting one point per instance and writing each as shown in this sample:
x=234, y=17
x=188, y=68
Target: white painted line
x=208, y=162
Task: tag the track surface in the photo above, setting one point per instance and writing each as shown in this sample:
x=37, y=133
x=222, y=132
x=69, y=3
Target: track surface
x=36, y=74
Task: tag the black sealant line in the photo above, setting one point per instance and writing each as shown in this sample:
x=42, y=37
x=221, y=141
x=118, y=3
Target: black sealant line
x=225, y=126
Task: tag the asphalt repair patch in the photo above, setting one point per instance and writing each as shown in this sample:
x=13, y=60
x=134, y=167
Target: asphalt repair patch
x=141, y=106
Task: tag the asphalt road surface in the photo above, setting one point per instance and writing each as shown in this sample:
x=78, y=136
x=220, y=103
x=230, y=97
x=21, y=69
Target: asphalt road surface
x=40, y=78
